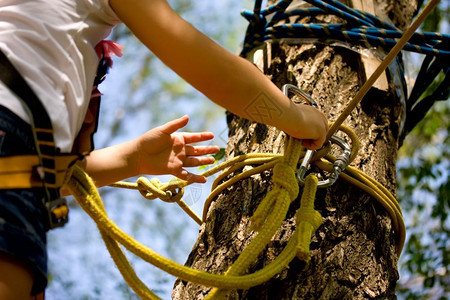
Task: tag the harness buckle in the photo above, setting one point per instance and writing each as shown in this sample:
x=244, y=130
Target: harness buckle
x=58, y=212
x=339, y=165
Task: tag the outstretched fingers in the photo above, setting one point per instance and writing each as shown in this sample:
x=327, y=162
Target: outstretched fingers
x=172, y=126
x=195, y=155
x=191, y=177
x=201, y=150
x=195, y=158
x=189, y=137
x=197, y=137
x=190, y=155
x=198, y=161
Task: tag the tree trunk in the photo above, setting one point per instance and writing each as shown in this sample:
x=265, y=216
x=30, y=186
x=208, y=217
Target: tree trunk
x=354, y=250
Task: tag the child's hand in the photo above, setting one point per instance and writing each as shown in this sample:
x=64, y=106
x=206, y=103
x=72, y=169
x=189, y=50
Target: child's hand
x=164, y=151
x=318, y=125
x=311, y=127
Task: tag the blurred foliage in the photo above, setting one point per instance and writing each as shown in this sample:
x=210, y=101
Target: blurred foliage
x=424, y=194
x=423, y=191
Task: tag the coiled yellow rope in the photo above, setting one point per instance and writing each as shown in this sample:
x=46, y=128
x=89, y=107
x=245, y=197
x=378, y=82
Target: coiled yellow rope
x=266, y=219
x=83, y=189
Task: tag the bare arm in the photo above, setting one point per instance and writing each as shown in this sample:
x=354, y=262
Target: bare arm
x=228, y=80
x=159, y=151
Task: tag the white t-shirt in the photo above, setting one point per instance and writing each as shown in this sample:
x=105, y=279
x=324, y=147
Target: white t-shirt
x=51, y=43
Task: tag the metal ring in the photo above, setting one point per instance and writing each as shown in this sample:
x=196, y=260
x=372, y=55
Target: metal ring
x=288, y=87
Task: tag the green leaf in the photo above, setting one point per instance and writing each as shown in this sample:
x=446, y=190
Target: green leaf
x=217, y=157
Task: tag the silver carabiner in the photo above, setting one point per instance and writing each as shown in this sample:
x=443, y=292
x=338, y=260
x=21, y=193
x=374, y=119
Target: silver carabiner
x=301, y=174
x=287, y=87
x=339, y=165
x=341, y=161
x=309, y=154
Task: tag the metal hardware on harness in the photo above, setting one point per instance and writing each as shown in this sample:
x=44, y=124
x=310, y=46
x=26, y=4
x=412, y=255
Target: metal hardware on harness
x=290, y=87
x=339, y=165
x=58, y=212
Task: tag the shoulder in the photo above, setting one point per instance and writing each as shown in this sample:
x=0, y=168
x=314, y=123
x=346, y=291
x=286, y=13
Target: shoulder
x=101, y=9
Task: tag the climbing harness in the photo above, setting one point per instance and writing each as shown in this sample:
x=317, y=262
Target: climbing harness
x=272, y=210
x=47, y=168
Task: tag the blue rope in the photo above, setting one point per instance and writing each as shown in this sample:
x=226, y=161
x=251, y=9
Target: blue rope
x=361, y=28
x=337, y=31
x=350, y=16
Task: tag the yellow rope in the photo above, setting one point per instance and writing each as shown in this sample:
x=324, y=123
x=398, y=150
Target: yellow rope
x=86, y=194
x=308, y=219
x=83, y=189
x=266, y=219
x=272, y=210
x=377, y=191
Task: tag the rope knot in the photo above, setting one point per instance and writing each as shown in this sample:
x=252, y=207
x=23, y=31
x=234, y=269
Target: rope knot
x=152, y=189
x=284, y=176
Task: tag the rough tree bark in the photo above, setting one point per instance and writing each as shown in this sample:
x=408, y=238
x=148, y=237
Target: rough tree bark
x=353, y=252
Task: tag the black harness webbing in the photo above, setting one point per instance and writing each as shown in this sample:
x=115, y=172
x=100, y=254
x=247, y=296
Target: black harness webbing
x=43, y=135
x=39, y=117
